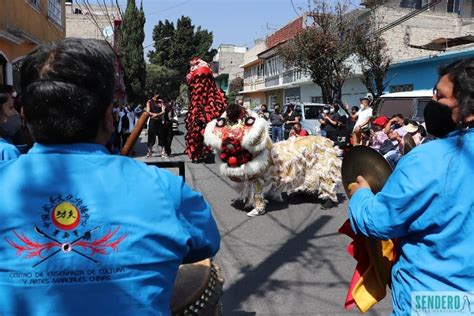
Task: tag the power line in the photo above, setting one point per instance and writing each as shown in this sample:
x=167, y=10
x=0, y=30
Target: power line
x=408, y=16
x=169, y=8
x=294, y=8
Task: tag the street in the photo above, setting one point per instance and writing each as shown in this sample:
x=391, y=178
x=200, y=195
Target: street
x=289, y=261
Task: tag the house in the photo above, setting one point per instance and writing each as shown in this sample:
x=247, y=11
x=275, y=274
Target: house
x=422, y=73
x=267, y=81
x=225, y=65
x=411, y=28
x=102, y=22
x=24, y=25
x=91, y=21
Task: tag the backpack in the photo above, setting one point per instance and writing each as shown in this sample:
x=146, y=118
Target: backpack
x=125, y=123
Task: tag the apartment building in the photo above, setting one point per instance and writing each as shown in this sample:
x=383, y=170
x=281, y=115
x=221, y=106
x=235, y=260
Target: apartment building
x=225, y=65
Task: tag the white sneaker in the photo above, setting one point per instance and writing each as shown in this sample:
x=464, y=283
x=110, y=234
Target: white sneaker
x=255, y=212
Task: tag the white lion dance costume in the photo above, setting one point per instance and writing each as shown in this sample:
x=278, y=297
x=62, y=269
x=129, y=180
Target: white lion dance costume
x=247, y=155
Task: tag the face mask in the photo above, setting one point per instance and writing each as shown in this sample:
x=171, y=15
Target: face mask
x=14, y=94
x=331, y=110
x=11, y=126
x=438, y=119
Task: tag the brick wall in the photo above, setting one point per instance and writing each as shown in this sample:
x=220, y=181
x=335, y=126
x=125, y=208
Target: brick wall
x=285, y=33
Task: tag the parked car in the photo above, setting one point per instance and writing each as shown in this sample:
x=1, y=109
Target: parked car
x=175, y=124
x=309, y=113
x=411, y=104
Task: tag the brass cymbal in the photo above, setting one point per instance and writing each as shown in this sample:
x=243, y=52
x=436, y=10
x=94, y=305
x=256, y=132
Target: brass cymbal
x=408, y=143
x=367, y=162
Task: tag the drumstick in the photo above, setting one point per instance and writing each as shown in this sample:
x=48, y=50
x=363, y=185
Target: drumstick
x=127, y=148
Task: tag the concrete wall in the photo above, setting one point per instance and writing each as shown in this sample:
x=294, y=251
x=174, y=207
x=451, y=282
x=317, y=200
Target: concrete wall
x=352, y=91
x=83, y=26
x=229, y=63
x=419, y=30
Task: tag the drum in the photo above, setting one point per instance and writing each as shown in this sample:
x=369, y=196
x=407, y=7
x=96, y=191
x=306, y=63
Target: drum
x=197, y=289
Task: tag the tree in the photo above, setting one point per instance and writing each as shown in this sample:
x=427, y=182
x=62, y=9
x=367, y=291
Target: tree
x=183, y=97
x=159, y=78
x=131, y=42
x=323, y=48
x=163, y=33
x=373, y=56
x=235, y=86
x=174, y=47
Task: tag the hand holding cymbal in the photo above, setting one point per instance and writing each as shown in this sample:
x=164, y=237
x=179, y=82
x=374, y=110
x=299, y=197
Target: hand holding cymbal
x=354, y=186
x=364, y=167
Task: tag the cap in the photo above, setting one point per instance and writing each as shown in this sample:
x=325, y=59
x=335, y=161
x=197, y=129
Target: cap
x=380, y=121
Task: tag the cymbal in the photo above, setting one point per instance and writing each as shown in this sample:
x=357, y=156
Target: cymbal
x=367, y=162
x=408, y=143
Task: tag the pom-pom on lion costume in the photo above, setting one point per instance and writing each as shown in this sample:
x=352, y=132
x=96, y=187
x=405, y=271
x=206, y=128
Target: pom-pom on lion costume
x=207, y=103
x=246, y=154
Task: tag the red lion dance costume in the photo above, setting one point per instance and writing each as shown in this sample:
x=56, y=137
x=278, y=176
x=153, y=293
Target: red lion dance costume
x=207, y=103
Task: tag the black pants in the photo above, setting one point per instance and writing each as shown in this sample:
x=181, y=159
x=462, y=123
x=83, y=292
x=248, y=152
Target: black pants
x=154, y=129
x=166, y=135
x=332, y=135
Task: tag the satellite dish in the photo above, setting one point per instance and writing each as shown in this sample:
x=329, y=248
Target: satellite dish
x=108, y=31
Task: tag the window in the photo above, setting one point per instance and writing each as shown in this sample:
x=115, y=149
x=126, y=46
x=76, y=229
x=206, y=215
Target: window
x=401, y=88
x=272, y=100
x=35, y=3
x=55, y=12
x=273, y=66
x=316, y=99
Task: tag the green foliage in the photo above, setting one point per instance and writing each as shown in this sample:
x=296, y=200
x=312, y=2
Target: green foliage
x=163, y=33
x=131, y=46
x=159, y=78
x=235, y=86
x=183, y=97
x=174, y=47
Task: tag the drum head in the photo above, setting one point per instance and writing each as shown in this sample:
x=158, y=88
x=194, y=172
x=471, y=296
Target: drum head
x=367, y=162
x=191, y=281
x=408, y=143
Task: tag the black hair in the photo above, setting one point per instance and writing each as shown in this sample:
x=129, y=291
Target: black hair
x=461, y=74
x=354, y=108
x=336, y=107
x=66, y=88
x=264, y=106
x=233, y=112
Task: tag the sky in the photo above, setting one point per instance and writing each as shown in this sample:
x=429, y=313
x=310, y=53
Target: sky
x=237, y=22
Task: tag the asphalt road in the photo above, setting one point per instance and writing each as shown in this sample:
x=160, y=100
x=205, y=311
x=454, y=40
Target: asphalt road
x=288, y=261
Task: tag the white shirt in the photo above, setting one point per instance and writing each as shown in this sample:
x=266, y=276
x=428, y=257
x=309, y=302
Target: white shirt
x=363, y=115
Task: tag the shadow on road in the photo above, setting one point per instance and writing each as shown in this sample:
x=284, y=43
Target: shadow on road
x=256, y=279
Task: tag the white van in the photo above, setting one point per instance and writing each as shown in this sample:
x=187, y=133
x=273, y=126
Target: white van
x=309, y=113
x=411, y=104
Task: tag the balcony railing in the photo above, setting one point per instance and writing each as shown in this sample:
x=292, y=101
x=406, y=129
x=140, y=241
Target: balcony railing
x=272, y=81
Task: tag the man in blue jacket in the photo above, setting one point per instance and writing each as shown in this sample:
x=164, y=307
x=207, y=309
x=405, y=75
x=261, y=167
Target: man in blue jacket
x=84, y=232
x=428, y=204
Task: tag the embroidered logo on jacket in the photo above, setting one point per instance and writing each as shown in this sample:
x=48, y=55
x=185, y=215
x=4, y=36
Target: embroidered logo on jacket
x=64, y=231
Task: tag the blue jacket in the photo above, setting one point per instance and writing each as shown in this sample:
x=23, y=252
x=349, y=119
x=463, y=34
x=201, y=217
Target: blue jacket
x=87, y=233
x=428, y=203
x=7, y=150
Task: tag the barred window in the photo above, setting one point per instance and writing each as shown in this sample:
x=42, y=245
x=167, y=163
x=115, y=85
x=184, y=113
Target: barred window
x=55, y=11
x=34, y=3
